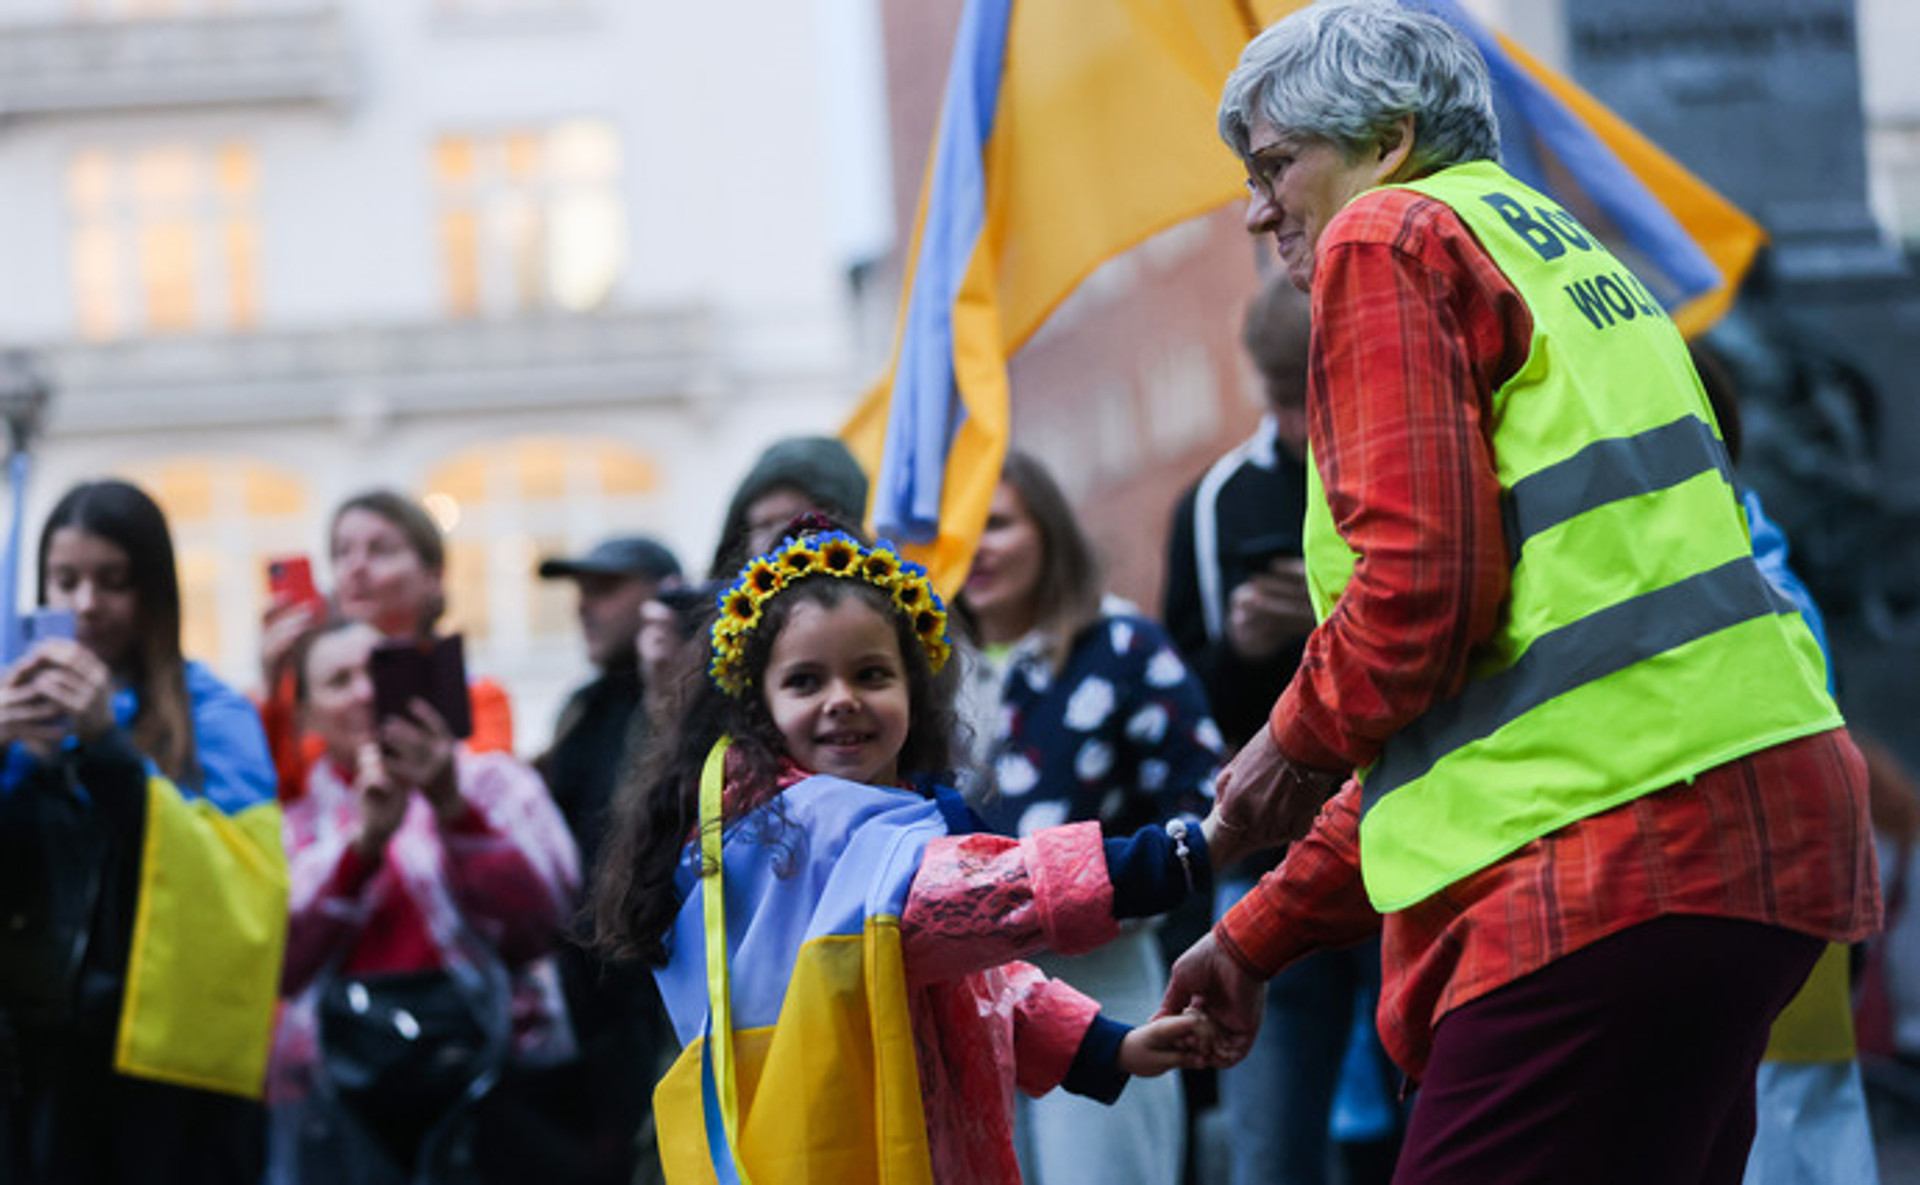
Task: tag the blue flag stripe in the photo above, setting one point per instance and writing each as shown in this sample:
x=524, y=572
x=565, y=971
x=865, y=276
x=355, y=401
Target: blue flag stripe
x=1534, y=121
x=926, y=411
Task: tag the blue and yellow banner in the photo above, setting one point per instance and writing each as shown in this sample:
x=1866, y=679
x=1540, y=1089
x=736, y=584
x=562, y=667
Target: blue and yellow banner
x=1072, y=130
x=788, y=990
x=209, y=936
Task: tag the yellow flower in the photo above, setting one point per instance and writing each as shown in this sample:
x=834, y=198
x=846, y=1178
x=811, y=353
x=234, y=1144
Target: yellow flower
x=763, y=577
x=742, y=608
x=838, y=556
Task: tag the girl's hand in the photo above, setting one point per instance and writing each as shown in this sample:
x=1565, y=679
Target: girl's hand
x=78, y=685
x=418, y=749
x=280, y=630
x=382, y=803
x=1183, y=1042
x=26, y=715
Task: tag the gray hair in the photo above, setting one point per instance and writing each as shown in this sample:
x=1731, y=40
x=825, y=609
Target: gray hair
x=1346, y=70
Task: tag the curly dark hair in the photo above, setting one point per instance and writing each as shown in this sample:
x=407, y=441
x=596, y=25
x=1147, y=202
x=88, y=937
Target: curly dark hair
x=634, y=900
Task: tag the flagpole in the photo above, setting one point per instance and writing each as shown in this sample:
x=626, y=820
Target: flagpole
x=23, y=400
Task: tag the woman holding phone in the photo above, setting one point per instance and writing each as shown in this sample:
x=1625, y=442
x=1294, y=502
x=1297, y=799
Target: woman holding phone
x=141, y=876
x=389, y=571
x=426, y=879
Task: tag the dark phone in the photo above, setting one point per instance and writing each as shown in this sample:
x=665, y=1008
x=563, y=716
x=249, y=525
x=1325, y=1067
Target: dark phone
x=290, y=580
x=1256, y=555
x=692, y=603
x=434, y=671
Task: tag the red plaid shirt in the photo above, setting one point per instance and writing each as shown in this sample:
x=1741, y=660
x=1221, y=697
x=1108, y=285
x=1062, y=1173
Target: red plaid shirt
x=1414, y=328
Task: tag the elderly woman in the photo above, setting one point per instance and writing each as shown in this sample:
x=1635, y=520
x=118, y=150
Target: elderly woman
x=1610, y=812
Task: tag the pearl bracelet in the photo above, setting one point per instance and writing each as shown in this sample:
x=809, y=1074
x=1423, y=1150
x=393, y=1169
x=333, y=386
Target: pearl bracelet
x=1177, y=832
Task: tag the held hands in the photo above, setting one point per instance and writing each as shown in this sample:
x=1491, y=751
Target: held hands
x=1183, y=1042
x=1269, y=610
x=1209, y=982
x=1263, y=800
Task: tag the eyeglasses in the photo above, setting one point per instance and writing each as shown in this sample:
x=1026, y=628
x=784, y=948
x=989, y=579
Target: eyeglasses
x=1264, y=171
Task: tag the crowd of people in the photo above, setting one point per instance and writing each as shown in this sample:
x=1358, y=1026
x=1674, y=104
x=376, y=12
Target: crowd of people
x=1482, y=715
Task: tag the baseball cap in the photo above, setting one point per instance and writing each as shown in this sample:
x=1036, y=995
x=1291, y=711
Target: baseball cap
x=628, y=555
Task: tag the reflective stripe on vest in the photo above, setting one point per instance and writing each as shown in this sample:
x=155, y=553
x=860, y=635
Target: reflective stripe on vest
x=1640, y=643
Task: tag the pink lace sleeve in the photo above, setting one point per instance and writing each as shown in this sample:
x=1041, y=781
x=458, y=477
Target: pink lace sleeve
x=981, y=900
x=1050, y=1019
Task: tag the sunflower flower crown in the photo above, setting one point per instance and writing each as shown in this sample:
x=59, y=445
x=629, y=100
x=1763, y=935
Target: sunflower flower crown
x=835, y=554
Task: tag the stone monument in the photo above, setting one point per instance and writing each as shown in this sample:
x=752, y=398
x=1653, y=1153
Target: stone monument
x=1761, y=98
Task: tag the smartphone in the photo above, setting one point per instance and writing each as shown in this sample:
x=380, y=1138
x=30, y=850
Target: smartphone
x=45, y=622
x=1256, y=555
x=290, y=582
x=693, y=605
x=31, y=627
x=434, y=671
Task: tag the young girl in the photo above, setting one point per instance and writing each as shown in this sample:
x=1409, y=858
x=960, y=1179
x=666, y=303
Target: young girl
x=141, y=877
x=850, y=1004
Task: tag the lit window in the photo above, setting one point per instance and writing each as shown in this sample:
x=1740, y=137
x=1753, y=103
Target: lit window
x=165, y=239
x=530, y=219
x=228, y=517
x=507, y=506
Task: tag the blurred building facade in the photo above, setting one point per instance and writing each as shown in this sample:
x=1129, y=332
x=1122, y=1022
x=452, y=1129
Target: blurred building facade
x=558, y=267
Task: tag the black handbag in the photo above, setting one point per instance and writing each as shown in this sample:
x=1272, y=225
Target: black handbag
x=414, y=1041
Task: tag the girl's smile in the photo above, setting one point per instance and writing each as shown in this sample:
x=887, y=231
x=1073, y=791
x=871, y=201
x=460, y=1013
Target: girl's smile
x=836, y=686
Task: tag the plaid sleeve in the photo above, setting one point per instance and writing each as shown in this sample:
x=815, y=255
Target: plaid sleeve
x=1413, y=330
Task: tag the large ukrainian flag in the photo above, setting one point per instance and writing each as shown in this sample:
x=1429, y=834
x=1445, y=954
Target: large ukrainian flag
x=210, y=919
x=798, y=1063
x=209, y=935
x=1072, y=130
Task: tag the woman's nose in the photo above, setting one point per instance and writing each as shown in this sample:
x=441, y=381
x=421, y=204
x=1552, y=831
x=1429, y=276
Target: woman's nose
x=842, y=696
x=1261, y=210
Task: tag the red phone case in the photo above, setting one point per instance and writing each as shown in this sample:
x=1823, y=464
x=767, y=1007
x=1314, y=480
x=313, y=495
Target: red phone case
x=290, y=580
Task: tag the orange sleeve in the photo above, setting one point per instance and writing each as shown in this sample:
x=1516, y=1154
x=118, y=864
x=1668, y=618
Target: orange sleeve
x=292, y=753
x=492, y=718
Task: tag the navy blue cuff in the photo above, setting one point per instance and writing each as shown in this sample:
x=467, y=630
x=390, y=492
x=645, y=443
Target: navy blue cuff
x=1096, y=1071
x=1148, y=875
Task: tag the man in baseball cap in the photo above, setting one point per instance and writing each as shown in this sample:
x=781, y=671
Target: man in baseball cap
x=601, y=735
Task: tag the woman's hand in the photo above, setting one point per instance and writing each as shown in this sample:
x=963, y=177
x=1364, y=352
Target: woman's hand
x=658, y=646
x=26, y=715
x=381, y=800
x=1267, y=611
x=1208, y=978
x=77, y=684
x=418, y=749
x=280, y=630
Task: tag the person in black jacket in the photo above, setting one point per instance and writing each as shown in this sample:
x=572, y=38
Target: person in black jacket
x=589, y=1122
x=1236, y=605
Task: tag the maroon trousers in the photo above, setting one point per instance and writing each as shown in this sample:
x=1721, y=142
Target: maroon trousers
x=1629, y=1061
